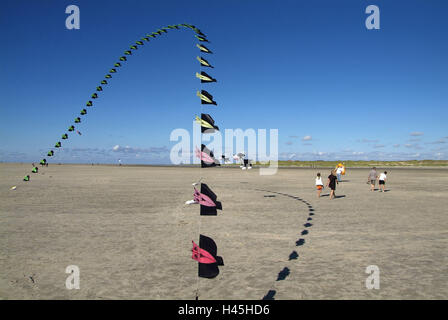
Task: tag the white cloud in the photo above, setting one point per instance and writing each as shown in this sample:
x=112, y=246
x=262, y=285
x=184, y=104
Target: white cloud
x=307, y=138
x=416, y=133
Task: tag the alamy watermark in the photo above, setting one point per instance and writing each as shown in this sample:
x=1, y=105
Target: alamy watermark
x=373, y=280
x=72, y=281
x=255, y=145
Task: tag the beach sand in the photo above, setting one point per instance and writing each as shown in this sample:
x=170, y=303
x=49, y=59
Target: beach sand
x=129, y=232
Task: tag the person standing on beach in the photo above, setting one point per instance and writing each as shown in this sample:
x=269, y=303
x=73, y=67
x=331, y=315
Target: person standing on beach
x=319, y=184
x=382, y=180
x=372, y=178
x=332, y=180
x=339, y=172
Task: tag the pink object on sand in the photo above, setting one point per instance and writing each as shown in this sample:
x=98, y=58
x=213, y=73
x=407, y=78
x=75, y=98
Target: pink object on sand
x=201, y=255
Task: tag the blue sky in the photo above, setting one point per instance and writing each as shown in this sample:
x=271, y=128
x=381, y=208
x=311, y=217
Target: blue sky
x=310, y=69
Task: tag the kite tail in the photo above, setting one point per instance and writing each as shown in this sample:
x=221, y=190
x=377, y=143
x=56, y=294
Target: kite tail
x=114, y=70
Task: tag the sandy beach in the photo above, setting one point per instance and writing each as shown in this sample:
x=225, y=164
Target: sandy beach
x=129, y=232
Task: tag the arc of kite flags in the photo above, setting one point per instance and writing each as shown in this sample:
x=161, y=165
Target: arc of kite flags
x=205, y=253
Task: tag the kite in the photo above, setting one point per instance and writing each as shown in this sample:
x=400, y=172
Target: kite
x=206, y=98
x=50, y=153
x=64, y=136
x=71, y=128
x=201, y=38
x=207, y=123
x=204, y=62
x=203, y=48
x=207, y=200
x=27, y=178
x=35, y=170
x=207, y=157
x=206, y=256
x=204, y=77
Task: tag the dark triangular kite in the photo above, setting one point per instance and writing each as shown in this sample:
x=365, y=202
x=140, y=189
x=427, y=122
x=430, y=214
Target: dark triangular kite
x=204, y=62
x=209, y=159
x=206, y=255
x=207, y=123
x=204, y=77
x=206, y=98
x=206, y=210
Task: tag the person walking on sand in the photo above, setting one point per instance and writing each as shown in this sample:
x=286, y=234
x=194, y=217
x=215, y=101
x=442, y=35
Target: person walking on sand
x=372, y=178
x=332, y=181
x=382, y=180
x=319, y=184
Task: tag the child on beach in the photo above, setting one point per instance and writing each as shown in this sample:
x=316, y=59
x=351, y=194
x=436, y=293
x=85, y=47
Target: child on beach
x=332, y=181
x=382, y=180
x=319, y=184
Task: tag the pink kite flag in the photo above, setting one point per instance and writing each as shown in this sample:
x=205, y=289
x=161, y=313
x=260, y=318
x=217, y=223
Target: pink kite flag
x=201, y=255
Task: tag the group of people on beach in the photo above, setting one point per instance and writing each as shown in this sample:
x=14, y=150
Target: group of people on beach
x=335, y=177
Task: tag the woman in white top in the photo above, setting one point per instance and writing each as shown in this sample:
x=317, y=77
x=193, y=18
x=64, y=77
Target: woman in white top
x=319, y=185
x=382, y=180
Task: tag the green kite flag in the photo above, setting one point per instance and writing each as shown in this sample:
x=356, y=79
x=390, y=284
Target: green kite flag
x=123, y=58
x=108, y=76
x=43, y=161
x=201, y=38
x=206, y=98
x=158, y=32
x=203, y=48
x=35, y=170
x=128, y=52
x=27, y=178
x=163, y=30
x=112, y=70
x=133, y=47
x=89, y=103
x=204, y=62
x=199, y=32
x=99, y=88
x=58, y=144
x=139, y=42
x=71, y=128
x=151, y=35
x=83, y=112
x=207, y=123
x=118, y=64
x=50, y=153
x=78, y=120
x=94, y=96
x=145, y=38
x=64, y=136
x=103, y=82
x=205, y=77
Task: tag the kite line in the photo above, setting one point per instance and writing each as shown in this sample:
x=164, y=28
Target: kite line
x=206, y=252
